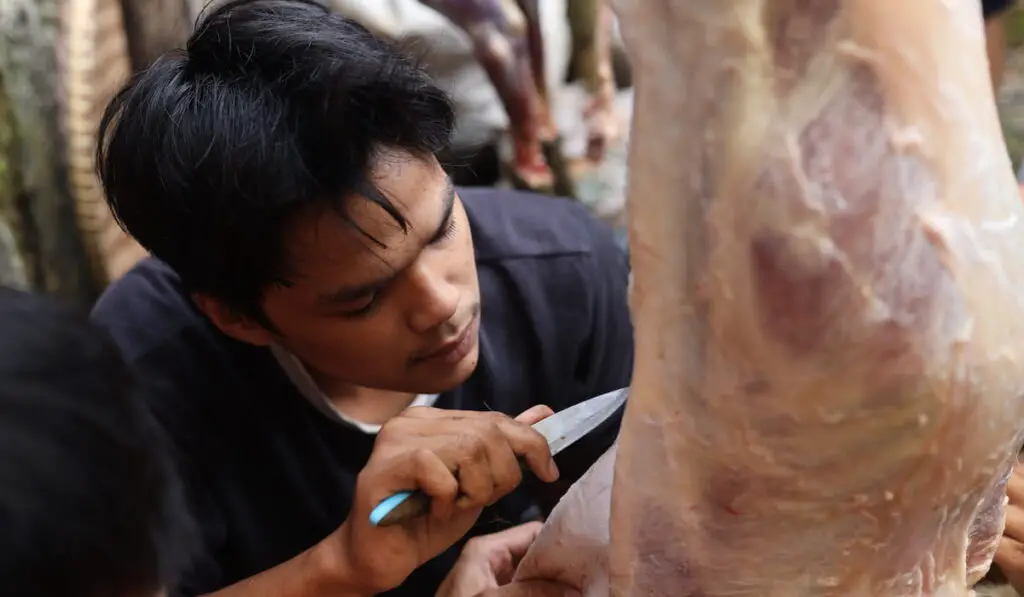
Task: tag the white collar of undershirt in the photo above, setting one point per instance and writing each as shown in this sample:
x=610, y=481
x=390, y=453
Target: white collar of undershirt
x=304, y=383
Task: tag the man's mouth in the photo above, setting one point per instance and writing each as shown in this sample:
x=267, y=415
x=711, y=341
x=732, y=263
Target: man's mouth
x=454, y=348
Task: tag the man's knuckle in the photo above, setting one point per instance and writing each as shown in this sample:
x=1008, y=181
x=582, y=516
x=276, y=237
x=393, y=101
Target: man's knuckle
x=422, y=459
x=476, y=447
x=509, y=482
x=497, y=417
x=493, y=432
x=450, y=489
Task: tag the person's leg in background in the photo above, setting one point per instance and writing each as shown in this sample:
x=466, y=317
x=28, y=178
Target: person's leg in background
x=996, y=15
x=88, y=503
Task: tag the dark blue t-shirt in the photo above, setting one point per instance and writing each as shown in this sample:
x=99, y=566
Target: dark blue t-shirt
x=269, y=475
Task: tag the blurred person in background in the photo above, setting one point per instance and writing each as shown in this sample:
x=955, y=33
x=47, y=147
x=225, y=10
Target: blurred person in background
x=996, y=13
x=89, y=504
x=473, y=156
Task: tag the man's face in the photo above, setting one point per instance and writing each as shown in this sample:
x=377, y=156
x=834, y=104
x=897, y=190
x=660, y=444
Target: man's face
x=402, y=317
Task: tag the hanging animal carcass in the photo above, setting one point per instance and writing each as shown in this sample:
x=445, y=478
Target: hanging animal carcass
x=828, y=249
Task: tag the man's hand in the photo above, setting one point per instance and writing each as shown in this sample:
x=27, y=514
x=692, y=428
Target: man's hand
x=489, y=562
x=463, y=460
x=1010, y=553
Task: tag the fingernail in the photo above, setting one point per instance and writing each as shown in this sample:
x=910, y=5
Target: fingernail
x=553, y=470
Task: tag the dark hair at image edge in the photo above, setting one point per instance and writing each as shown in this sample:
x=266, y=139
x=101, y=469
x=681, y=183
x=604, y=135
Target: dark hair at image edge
x=274, y=107
x=89, y=505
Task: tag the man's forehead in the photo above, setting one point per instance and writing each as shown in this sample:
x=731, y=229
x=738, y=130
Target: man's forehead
x=378, y=219
x=400, y=189
x=360, y=242
x=413, y=210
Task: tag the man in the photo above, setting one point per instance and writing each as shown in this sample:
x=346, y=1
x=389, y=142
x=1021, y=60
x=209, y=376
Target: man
x=317, y=275
x=88, y=502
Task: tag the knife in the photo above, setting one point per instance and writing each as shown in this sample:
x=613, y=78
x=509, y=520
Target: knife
x=561, y=429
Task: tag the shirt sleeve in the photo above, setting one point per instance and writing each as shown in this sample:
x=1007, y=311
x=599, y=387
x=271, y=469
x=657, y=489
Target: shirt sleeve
x=167, y=349
x=167, y=383
x=168, y=386
x=203, y=574
x=605, y=359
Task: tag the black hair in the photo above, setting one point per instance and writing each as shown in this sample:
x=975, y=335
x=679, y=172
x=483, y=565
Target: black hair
x=273, y=107
x=89, y=504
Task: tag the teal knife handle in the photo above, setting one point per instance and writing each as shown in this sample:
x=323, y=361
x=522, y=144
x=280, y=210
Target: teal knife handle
x=399, y=508
x=404, y=506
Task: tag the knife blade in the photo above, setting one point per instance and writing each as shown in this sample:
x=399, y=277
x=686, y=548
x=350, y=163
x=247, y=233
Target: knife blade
x=561, y=430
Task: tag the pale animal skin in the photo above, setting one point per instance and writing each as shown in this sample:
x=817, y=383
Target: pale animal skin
x=828, y=249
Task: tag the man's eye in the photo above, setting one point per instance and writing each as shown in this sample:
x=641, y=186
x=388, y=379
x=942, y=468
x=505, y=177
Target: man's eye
x=447, y=233
x=368, y=305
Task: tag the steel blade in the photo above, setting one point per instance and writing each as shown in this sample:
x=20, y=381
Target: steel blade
x=566, y=427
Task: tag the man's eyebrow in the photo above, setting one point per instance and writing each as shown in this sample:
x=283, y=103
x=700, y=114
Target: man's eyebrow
x=448, y=199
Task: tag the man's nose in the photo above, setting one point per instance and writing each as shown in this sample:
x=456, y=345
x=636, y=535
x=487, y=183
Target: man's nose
x=435, y=300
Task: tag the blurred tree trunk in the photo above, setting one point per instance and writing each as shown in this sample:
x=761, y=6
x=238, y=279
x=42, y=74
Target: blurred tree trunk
x=12, y=258
x=40, y=244
x=154, y=27
x=97, y=65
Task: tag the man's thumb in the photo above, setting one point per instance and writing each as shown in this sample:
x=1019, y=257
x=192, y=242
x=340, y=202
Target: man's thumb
x=517, y=540
x=535, y=415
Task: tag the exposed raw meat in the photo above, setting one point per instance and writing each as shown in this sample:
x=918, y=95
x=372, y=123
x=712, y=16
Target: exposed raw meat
x=828, y=249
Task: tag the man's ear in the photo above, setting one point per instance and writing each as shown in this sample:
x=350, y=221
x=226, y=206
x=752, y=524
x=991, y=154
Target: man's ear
x=231, y=322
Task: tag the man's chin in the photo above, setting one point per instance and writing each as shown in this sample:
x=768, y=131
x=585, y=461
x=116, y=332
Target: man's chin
x=441, y=378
